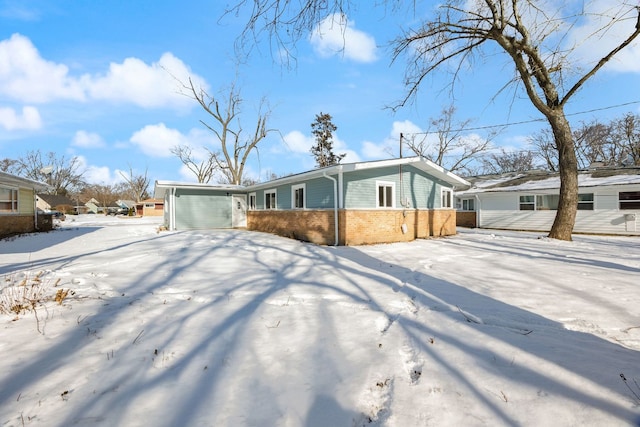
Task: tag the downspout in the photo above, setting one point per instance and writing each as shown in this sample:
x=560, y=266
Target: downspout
x=477, y=210
x=335, y=205
x=172, y=209
x=35, y=210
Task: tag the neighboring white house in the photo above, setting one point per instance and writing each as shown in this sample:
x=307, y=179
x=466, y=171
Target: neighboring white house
x=608, y=201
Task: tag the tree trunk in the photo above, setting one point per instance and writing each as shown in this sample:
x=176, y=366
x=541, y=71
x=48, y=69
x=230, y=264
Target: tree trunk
x=568, y=165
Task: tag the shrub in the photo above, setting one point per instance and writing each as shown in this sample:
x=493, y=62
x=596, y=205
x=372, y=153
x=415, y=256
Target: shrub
x=22, y=292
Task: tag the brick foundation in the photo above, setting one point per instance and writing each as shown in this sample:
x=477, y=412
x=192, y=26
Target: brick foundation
x=356, y=227
x=466, y=219
x=20, y=224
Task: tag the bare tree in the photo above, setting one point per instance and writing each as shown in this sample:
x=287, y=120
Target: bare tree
x=8, y=165
x=545, y=148
x=452, y=148
x=62, y=174
x=531, y=34
x=626, y=133
x=202, y=169
x=508, y=161
x=235, y=146
x=138, y=185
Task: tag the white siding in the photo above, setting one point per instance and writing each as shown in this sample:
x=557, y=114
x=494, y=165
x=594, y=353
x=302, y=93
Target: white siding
x=500, y=210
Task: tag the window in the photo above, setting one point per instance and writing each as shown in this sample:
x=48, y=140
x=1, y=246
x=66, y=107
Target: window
x=297, y=196
x=252, y=201
x=547, y=202
x=527, y=203
x=8, y=200
x=270, y=199
x=466, y=205
x=585, y=202
x=629, y=199
x=386, y=195
x=447, y=198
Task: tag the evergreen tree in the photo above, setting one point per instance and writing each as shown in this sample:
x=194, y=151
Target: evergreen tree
x=323, y=130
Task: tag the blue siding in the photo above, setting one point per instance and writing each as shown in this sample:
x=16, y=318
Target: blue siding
x=319, y=193
x=419, y=188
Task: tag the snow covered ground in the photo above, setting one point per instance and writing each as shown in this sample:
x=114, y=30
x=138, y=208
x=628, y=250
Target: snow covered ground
x=235, y=328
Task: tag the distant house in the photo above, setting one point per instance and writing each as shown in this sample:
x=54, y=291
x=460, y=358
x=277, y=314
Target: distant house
x=608, y=201
x=350, y=204
x=53, y=202
x=150, y=207
x=18, y=213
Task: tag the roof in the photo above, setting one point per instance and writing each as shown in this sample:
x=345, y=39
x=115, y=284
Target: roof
x=7, y=178
x=418, y=162
x=162, y=186
x=54, y=200
x=540, y=180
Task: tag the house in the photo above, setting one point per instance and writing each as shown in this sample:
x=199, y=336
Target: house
x=608, y=201
x=18, y=213
x=347, y=204
x=150, y=207
x=54, y=202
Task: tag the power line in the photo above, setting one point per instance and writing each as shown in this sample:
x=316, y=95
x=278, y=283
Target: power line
x=528, y=121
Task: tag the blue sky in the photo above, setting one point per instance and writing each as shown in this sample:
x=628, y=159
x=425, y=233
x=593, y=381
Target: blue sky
x=95, y=80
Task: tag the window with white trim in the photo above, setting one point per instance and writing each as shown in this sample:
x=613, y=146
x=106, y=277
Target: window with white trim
x=629, y=199
x=298, y=196
x=8, y=200
x=252, y=201
x=447, y=198
x=466, y=204
x=585, y=202
x=547, y=202
x=528, y=203
x=270, y=199
x=385, y=194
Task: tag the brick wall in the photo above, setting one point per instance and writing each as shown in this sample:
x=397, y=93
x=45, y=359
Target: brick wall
x=356, y=227
x=19, y=224
x=316, y=226
x=466, y=219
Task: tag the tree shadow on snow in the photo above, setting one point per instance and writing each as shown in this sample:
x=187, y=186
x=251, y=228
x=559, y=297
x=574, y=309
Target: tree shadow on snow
x=195, y=328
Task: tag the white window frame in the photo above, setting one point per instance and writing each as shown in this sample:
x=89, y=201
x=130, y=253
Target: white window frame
x=463, y=204
x=628, y=204
x=295, y=188
x=449, y=201
x=252, y=205
x=275, y=198
x=586, y=205
x=12, y=201
x=385, y=184
x=522, y=202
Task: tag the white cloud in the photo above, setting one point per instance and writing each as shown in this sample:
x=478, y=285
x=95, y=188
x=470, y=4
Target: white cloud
x=298, y=142
x=390, y=146
x=337, y=35
x=154, y=85
x=27, y=77
x=158, y=140
x=28, y=120
x=86, y=139
x=592, y=44
x=98, y=174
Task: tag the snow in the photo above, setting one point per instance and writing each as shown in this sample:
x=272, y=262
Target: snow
x=237, y=328
x=584, y=180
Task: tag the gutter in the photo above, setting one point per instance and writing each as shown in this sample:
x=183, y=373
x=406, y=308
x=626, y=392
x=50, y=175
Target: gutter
x=335, y=206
